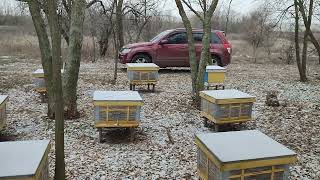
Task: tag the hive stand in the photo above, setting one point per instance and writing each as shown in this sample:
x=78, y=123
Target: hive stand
x=142, y=74
x=226, y=107
x=117, y=109
x=241, y=155
x=3, y=113
x=214, y=77
x=24, y=160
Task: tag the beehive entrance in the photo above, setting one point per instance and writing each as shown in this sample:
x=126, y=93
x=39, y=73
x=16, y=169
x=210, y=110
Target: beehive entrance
x=117, y=113
x=143, y=75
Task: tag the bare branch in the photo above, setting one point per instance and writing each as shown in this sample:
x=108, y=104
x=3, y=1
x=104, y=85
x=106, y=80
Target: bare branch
x=193, y=10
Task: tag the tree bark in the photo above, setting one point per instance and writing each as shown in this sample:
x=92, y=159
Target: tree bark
x=315, y=44
x=57, y=88
x=205, y=53
x=119, y=23
x=45, y=51
x=191, y=47
x=198, y=70
x=307, y=23
x=296, y=39
x=71, y=74
x=118, y=33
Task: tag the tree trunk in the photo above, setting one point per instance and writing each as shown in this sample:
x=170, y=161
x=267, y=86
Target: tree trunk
x=71, y=73
x=118, y=33
x=119, y=23
x=307, y=23
x=191, y=47
x=296, y=39
x=315, y=43
x=303, y=76
x=205, y=57
x=57, y=88
x=45, y=51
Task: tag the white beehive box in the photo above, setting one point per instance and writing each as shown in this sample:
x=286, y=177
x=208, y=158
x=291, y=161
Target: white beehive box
x=3, y=113
x=242, y=155
x=24, y=160
x=117, y=109
x=38, y=81
x=226, y=106
x=142, y=73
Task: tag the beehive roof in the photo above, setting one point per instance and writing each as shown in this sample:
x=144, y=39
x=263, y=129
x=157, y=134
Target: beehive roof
x=242, y=146
x=215, y=69
x=21, y=158
x=38, y=71
x=227, y=96
x=3, y=98
x=142, y=66
x=116, y=96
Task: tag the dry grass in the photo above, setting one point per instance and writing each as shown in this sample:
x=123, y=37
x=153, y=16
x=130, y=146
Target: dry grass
x=18, y=44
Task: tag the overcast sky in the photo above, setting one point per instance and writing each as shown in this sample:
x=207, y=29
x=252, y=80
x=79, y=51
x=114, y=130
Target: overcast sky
x=240, y=6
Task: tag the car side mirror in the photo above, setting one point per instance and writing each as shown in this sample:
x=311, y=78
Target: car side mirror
x=164, y=41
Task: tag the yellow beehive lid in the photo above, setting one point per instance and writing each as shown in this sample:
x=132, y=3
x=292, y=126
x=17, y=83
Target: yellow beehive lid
x=117, y=98
x=215, y=69
x=142, y=67
x=40, y=74
x=243, y=149
x=3, y=99
x=227, y=96
x=22, y=158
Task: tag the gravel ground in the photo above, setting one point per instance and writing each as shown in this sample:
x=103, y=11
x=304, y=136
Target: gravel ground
x=296, y=123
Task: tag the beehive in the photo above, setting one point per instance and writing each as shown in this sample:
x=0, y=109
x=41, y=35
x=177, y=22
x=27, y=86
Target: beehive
x=142, y=73
x=38, y=81
x=24, y=160
x=242, y=155
x=3, y=114
x=214, y=76
x=226, y=106
x=114, y=109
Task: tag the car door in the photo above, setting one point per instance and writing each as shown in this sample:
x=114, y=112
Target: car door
x=174, y=53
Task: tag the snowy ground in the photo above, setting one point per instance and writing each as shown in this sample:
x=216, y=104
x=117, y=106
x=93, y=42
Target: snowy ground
x=296, y=123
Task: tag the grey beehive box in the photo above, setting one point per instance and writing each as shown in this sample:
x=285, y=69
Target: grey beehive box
x=24, y=160
x=242, y=154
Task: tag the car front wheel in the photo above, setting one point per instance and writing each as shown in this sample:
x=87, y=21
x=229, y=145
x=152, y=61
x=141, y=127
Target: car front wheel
x=141, y=58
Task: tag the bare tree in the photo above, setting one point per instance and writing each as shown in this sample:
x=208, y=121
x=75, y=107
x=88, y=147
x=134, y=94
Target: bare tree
x=140, y=13
x=258, y=29
x=51, y=60
x=198, y=70
x=53, y=20
x=70, y=81
x=228, y=16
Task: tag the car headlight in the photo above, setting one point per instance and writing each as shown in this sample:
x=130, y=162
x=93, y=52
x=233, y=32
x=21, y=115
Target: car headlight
x=125, y=50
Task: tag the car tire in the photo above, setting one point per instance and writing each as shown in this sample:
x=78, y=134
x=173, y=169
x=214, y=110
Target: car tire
x=141, y=58
x=215, y=60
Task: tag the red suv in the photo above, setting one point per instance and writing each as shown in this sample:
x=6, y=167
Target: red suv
x=170, y=49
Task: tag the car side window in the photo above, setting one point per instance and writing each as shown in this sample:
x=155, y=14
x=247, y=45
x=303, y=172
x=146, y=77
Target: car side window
x=178, y=38
x=215, y=39
x=197, y=37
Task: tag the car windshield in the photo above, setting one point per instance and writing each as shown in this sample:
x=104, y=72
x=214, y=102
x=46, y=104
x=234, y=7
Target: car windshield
x=161, y=35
